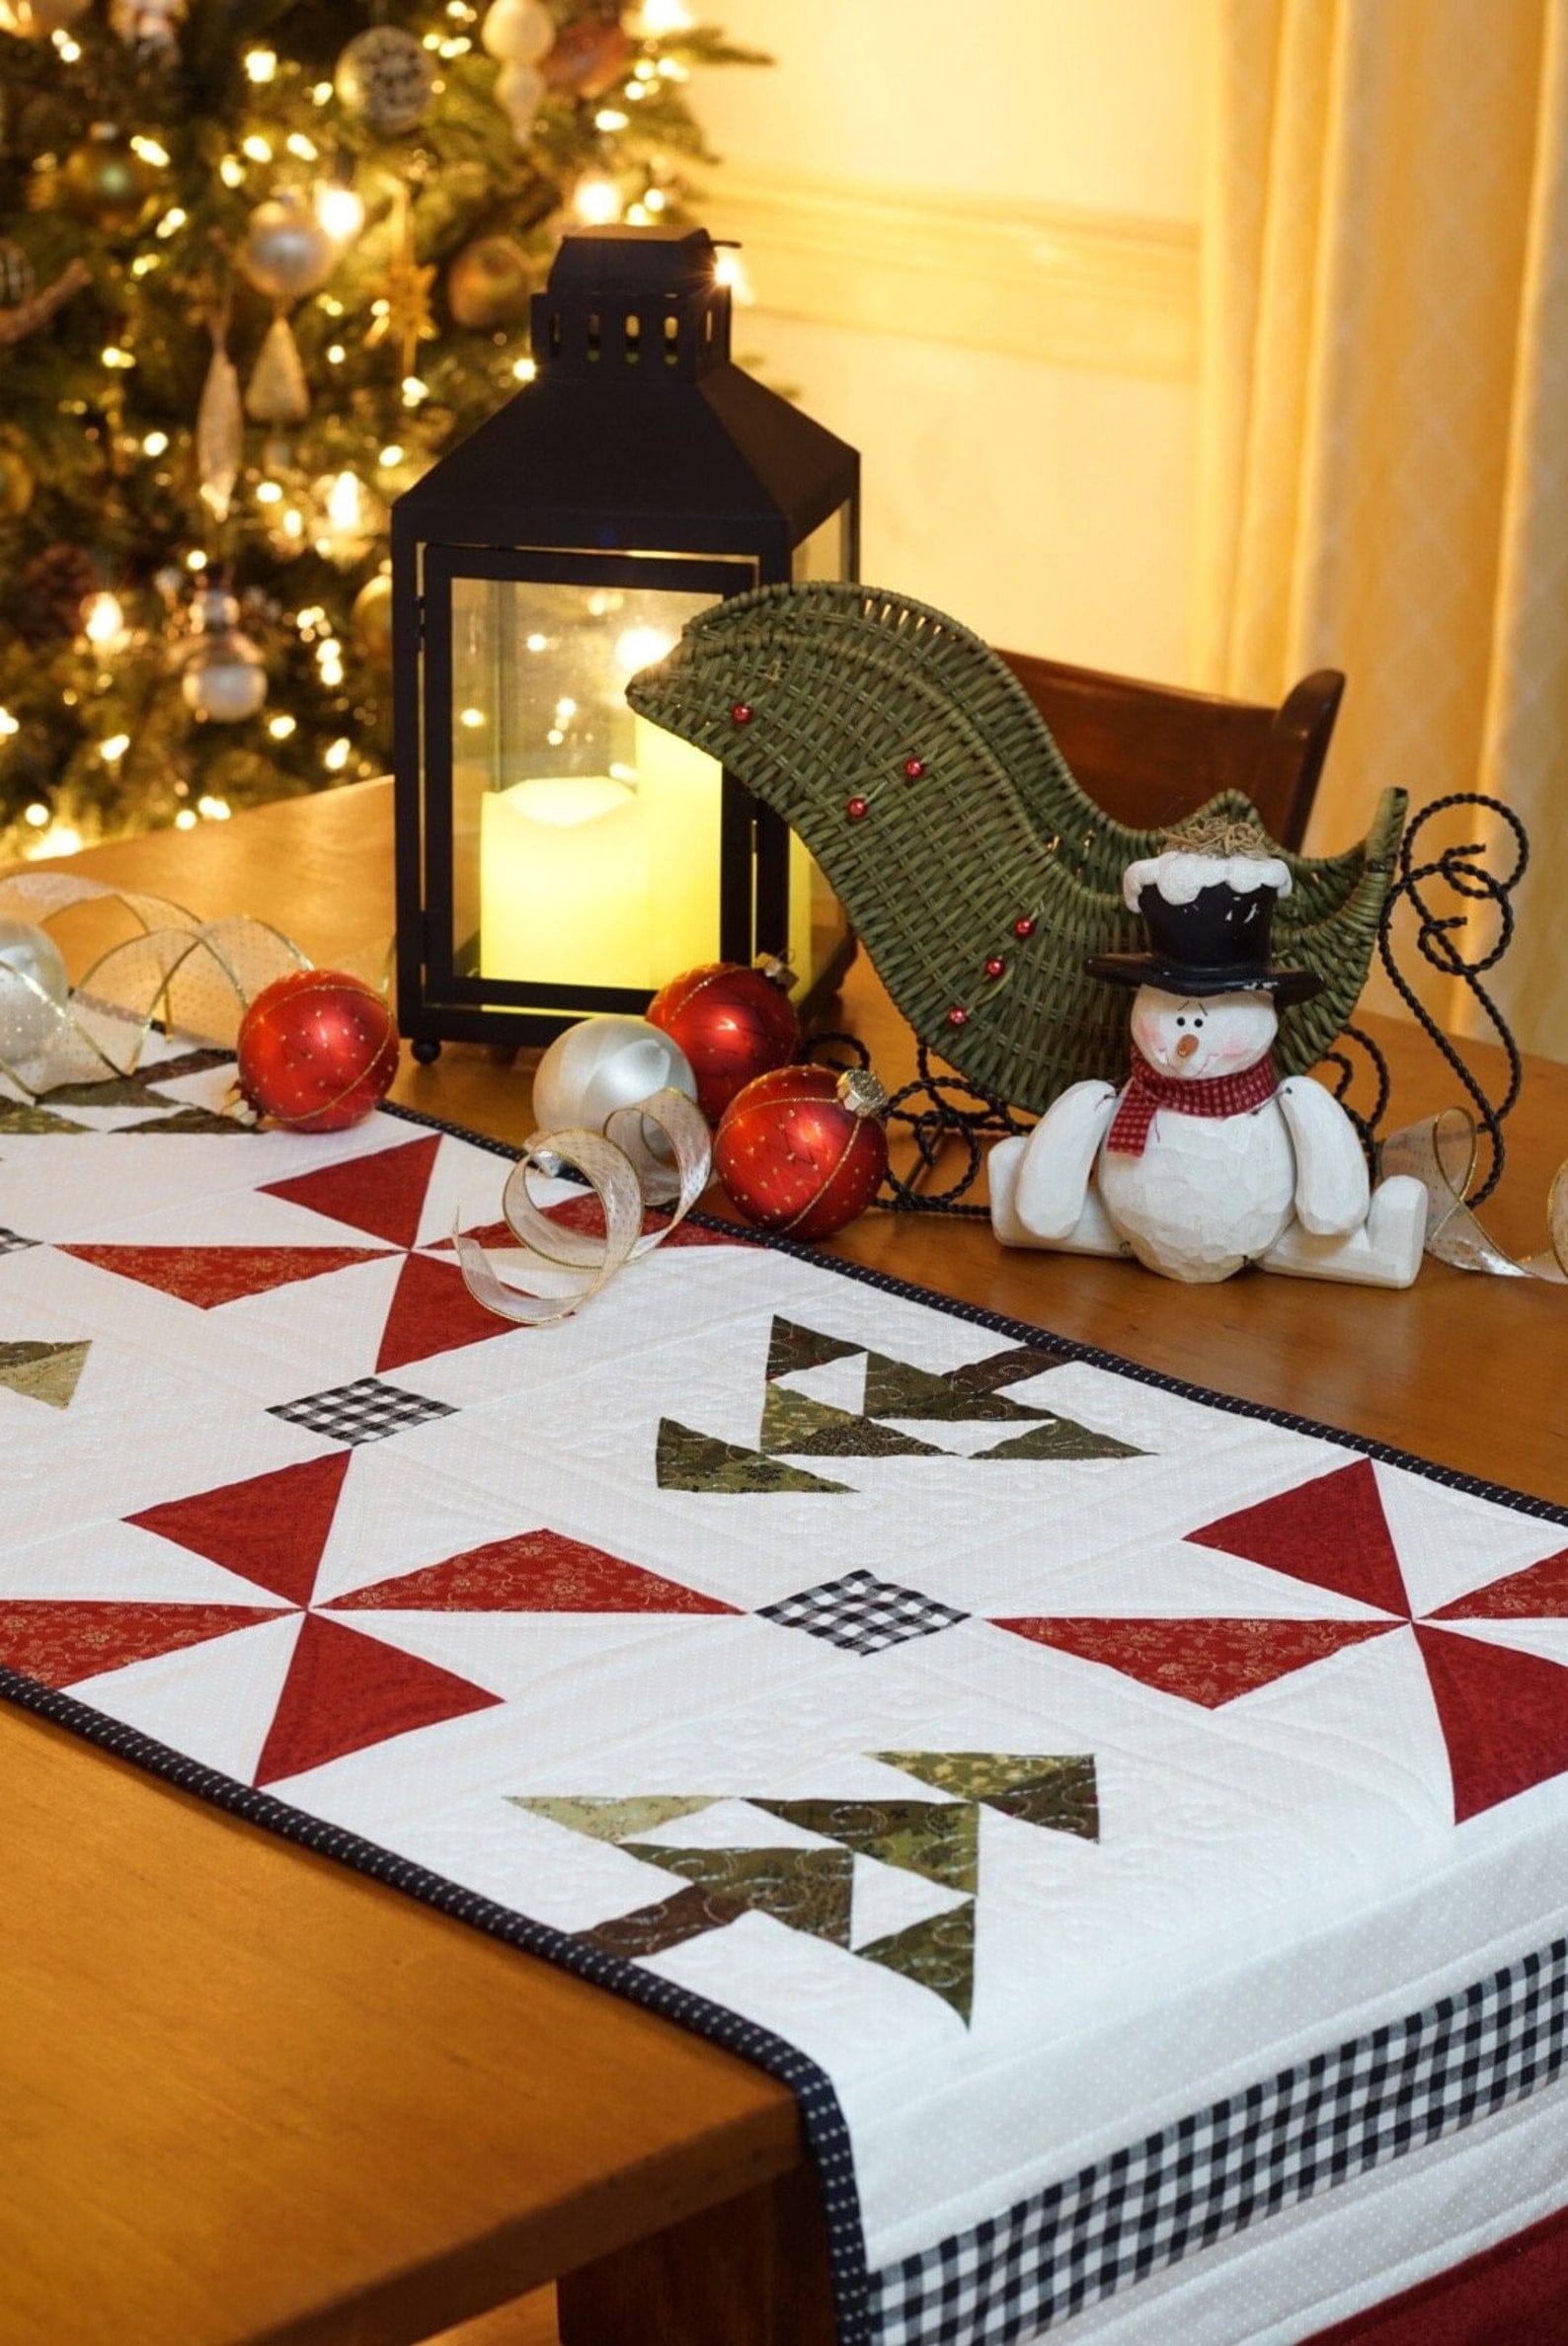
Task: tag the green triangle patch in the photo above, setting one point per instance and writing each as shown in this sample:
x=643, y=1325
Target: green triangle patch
x=1055, y=1790
x=687, y=1460
x=897, y=1389
x=613, y=1820
x=1061, y=1438
x=22, y=1116
x=187, y=1120
x=937, y=1953
x=935, y=1839
x=792, y=1348
x=689, y=1913
x=106, y=1091
x=814, y=1429
x=44, y=1371
x=806, y=1888
x=1013, y=1366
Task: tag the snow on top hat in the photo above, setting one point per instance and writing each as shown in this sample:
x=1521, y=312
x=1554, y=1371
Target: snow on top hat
x=1207, y=902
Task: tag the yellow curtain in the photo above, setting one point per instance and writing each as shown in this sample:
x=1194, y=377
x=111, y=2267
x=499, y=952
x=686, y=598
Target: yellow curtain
x=1384, y=452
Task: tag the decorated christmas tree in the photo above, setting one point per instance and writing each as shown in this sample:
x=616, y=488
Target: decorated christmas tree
x=260, y=261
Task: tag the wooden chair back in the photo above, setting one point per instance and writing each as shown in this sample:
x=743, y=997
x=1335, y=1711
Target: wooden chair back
x=1149, y=754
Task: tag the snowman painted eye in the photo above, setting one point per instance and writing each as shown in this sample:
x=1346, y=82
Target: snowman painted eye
x=1181, y=1021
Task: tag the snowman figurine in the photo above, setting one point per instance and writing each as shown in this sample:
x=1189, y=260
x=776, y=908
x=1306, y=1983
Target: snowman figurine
x=1205, y=1161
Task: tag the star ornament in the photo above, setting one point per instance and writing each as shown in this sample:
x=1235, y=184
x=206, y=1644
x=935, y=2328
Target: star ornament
x=407, y=320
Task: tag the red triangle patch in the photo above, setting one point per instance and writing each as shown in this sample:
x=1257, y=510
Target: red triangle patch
x=1537, y=1594
x=1332, y=1533
x=210, y=1275
x=1504, y=1716
x=534, y=1572
x=345, y=1692
x=383, y=1193
x=1210, y=1661
x=271, y=1530
x=431, y=1313
x=58, y=1644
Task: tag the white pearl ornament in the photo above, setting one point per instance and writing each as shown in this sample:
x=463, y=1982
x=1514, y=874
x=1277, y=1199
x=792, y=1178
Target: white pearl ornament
x=602, y=1064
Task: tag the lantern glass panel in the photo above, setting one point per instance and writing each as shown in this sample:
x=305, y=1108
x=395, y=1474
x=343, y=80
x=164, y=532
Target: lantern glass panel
x=586, y=841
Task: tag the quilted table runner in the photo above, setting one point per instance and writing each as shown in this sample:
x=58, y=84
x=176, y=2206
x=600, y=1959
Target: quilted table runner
x=1134, y=1824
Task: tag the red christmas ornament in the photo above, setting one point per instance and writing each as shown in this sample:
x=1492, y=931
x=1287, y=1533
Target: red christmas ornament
x=733, y=1024
x=317, y=1050
x=1024, y=928
x=803, y=1150
x=857, y=809
x=996, y=966
x=913, y=768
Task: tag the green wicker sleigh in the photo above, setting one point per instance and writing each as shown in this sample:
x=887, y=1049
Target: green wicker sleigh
x=844, y=686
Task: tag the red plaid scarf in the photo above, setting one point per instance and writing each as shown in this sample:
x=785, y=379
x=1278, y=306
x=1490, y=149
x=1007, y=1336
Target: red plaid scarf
x=1187, y=1095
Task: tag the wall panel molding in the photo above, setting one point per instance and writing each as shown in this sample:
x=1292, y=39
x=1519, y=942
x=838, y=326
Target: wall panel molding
x=1041, y=282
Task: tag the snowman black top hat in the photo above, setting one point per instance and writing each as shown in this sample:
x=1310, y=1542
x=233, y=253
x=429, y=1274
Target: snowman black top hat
x=1207, y=902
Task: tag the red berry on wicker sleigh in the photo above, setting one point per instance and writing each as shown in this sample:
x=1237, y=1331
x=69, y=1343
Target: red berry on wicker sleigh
x=317, y=1050
x=733, y=1024
x=802, y=1150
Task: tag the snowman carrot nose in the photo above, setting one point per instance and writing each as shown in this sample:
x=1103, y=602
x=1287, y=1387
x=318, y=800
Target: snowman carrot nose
x=1186, y=1046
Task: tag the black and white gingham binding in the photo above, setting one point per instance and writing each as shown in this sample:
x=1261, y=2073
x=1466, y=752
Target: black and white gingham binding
x=1193, y=2184
x=862, y=1612
x=365, y=1411
x=1213, y=2173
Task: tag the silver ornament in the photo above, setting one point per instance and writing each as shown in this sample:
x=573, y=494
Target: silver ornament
x=34, y=991
x=386, y=78
x=278, y=392
x=602, y=1064
x=287, y=253
x=219, y=432
x=522, y=29
x=225, y=676
x=520, y=94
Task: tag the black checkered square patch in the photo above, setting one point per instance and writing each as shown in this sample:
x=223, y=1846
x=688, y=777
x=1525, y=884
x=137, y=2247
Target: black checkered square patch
x=366, y=1410
x=862, y=1612
x=12, y=1243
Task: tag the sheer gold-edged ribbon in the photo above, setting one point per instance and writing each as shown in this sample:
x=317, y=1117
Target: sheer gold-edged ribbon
x=625, y=1173
x=1442, y=1155
x=178, y=972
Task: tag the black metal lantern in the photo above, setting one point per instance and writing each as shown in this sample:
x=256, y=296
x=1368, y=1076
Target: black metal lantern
x=557, y=855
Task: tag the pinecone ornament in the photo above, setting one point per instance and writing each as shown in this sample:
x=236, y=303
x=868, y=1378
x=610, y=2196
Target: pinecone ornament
x=50, y=594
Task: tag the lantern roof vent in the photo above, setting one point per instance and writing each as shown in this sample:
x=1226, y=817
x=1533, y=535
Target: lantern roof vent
x=639, y=430
x=643, y=297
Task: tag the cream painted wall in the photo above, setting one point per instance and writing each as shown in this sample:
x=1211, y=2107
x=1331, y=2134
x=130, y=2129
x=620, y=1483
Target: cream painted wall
x=1050, y=506
x=1086, y=102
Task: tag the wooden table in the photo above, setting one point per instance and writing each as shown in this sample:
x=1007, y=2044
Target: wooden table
x=249, y=2096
